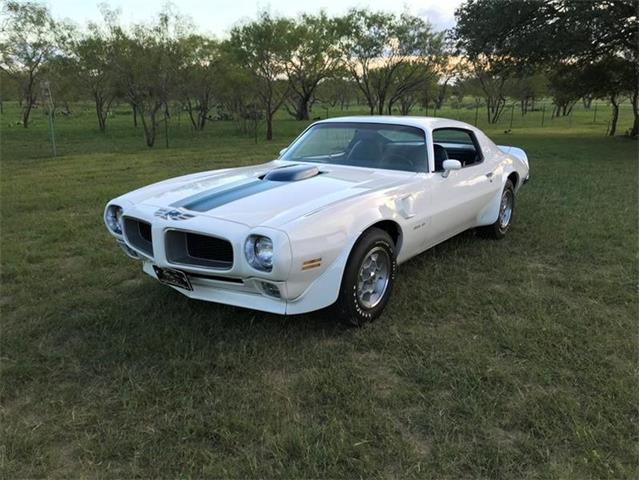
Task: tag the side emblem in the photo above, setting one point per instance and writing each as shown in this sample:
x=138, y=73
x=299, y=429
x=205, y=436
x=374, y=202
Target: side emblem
x=169, y=214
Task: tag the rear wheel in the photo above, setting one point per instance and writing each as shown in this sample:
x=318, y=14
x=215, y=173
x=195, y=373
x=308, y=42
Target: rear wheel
x=368, y=279
x=505, y=215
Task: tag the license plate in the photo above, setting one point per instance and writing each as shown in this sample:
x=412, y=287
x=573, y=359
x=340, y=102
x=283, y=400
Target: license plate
x=172, y=277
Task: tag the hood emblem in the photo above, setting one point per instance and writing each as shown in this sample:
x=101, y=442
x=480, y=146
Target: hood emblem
x=172, y=214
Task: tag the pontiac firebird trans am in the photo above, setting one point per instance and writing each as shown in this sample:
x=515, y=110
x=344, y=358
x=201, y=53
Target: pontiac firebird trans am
x=328, y=221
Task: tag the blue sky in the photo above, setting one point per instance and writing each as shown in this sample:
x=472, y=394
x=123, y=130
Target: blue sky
x=216, y=17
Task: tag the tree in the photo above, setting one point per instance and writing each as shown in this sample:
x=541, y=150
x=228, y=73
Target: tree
x=198, y=77
x=148, y=60
x=237, y=95
x=339, y=90
x=262, y=48
x=613, y=78
x=314, y=58
x=552, y=35
x=58, y=80
x=567, y=85
x=30, y=38
x=491, y=68
x=8, y=89
x=92, y=66
x=407, y=92
x=388, y=55
x=527, y=88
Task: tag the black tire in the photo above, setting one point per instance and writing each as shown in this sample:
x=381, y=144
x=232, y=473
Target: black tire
x=349, y=308
x=499, y=228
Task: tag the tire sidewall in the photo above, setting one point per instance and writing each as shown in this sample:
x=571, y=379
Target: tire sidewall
x=350, y=309
x=507, y=187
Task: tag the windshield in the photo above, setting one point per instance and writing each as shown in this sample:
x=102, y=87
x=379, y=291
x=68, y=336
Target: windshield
x=371, y=145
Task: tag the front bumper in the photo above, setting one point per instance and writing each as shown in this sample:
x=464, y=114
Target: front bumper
x=240, y=285
x=248, y=293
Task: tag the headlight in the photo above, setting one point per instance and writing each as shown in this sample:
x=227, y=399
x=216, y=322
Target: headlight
x=113, y=219
x=258, y=251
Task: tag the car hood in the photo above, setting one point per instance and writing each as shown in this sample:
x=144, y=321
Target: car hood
x=242, y=195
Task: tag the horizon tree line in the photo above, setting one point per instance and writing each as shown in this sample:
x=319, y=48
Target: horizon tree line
x=388, y=62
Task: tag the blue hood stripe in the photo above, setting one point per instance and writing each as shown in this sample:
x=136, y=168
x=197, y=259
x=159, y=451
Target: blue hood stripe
x=204, y=201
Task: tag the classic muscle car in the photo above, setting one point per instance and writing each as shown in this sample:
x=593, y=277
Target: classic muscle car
x=327, y=223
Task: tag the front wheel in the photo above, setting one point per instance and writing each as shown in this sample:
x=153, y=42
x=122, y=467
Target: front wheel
x=368, y=279
x=501, y=226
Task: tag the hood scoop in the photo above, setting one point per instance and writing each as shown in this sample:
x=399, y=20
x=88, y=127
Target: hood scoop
x=291, y=173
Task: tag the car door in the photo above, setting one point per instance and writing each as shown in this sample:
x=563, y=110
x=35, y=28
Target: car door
x=458, y=197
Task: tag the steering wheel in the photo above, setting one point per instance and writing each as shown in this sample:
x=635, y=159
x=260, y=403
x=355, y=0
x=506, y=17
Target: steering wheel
x=397, y=159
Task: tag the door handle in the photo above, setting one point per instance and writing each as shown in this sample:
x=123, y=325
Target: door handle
x=489, y=175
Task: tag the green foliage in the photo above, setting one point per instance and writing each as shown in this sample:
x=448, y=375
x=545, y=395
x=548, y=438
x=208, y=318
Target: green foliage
x=314, y=57
x=388, y=56
x=199, y=77
x=148, y=60
x=92, y=67
x=505, y=39
x=262, y=47
x=29, y=39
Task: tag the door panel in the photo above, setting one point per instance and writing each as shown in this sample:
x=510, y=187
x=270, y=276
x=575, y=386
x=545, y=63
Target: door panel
x=454, y=203
x=458, y=198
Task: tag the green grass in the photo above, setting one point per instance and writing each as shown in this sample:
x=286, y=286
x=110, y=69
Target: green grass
x=509, y=359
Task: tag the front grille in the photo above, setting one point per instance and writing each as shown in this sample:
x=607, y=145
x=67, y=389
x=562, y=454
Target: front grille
x=138, y=234
x=199, y=250
x=145, y=231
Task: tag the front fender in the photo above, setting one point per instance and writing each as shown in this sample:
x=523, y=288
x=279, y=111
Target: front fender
x=329, y=235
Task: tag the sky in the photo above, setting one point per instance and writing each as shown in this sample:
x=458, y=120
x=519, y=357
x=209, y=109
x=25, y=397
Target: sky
x=217, y=17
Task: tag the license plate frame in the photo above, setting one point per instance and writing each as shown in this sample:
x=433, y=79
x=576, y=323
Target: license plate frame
x=173, y=278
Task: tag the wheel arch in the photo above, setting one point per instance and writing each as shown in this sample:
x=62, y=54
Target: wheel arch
x=490, y=213
x=324, y=290
x=515, y=179
x=391, y=227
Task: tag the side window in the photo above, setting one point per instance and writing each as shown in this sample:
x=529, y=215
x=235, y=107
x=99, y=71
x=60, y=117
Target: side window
x=455, y=144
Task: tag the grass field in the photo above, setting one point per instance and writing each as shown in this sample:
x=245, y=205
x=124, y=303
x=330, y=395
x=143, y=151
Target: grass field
x=511, y=359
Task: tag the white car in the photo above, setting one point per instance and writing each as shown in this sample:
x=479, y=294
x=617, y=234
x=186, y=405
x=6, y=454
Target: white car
x=327, y=222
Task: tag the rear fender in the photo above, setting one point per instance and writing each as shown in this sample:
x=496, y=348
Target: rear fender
x=516, y=152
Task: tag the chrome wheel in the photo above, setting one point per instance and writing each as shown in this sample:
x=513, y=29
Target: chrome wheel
x=506, y=209
x=373, y=277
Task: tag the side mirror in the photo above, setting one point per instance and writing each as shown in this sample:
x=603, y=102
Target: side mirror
x=449, y=165
x=282, y=152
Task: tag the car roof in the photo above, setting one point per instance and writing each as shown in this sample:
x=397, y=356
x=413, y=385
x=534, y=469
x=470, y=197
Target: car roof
x=410, y=121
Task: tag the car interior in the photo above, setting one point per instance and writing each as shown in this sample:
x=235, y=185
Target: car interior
x=369, y=148
x=455, y=144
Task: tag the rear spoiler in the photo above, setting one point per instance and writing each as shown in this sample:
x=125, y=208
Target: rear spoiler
x=516, y=152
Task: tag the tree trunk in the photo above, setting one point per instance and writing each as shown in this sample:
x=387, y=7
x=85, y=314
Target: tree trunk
x=99, y=112
x=494, y=109
x=26, y=111
x=193, y=120
x=634, y=103
x=614, y=115
x=269, y=125
x=302, y=112
x=135, y=115
x=149, y=127
x=203, y=119
x=381, y=102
